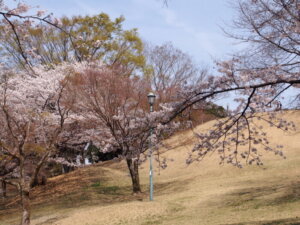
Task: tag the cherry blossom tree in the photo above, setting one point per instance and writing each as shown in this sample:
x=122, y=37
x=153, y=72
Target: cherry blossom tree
x=239, y=129
x=18, y=21
x=114, y=110
x=260, y=76
x=271, y=29
x=33, y=111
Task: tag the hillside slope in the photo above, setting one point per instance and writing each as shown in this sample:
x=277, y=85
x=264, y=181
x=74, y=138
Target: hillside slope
x=202, y=193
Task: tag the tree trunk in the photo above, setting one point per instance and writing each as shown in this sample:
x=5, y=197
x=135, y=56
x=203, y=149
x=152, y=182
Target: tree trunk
x=35, y=181
x=3, y=189
x=25, y=206
x=24, y=189
x=133, y=167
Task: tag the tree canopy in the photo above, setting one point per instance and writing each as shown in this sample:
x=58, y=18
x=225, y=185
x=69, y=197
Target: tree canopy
x=80, y=38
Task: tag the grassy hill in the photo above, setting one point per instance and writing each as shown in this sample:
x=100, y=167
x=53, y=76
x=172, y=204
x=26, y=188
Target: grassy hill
x=202, y=193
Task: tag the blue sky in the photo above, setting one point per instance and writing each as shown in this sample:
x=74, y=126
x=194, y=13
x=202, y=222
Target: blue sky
x=191, y=25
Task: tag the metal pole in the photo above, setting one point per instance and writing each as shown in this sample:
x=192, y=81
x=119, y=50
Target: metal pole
x=151, y=171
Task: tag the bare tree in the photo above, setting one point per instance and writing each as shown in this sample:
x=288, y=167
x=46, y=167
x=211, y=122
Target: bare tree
x=171, y=70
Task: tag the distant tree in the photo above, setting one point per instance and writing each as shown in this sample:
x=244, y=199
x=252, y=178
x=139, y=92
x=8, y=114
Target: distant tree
x=216, y=110
x=78, y=38
x=170, y=71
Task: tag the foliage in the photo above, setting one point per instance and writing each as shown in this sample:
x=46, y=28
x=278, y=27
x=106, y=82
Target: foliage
x=33, y=112
x=114, y=112
x=216, y=110
x=78, y=38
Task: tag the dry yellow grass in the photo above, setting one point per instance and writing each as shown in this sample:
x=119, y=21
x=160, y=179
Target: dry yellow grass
x=202, y=193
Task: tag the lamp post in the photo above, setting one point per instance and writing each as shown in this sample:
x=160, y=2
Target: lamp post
x=151, y=99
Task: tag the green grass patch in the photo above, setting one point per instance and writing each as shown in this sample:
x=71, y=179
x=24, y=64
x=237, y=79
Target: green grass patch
x=103, y=189
x=109, y=190
x=96, y=184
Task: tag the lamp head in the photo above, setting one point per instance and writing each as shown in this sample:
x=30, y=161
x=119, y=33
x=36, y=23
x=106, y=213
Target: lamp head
x=151, y=98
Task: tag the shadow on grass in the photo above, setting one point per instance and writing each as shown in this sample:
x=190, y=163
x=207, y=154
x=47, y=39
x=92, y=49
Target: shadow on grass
x=289, y=221
x=80, y=189
x=171, y=187
x=98, y=193
x=50, y=221
x=266, y=196
x=269, y=195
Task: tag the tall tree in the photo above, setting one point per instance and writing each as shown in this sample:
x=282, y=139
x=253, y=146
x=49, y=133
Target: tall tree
x=33, y=112
x=116, y=114
x=78, y=38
